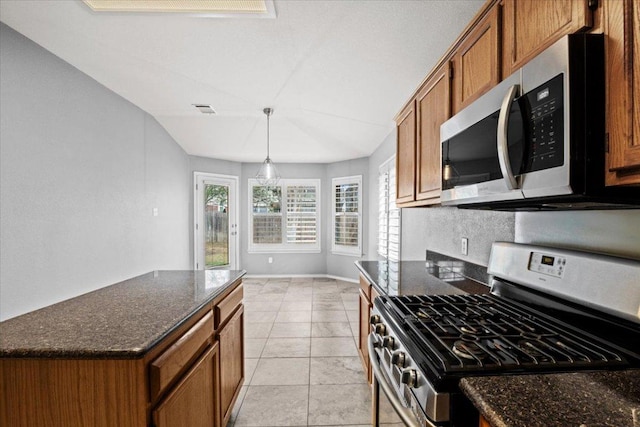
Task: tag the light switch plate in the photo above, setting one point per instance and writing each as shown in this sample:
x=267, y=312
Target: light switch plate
x=464, y=246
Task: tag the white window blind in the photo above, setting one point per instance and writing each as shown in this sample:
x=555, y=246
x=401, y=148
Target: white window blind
x=347, y=215
x=388, y=213
x=302, y=224
x=286, y=217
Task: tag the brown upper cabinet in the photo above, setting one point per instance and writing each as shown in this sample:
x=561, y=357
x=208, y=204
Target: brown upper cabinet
x=433, y=105
x=406, y=155
x=418, y=156
x=476, y=61
x=530, y=26
x=622, y=25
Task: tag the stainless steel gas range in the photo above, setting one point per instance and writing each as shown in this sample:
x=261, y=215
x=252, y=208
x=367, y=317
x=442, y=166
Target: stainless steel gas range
x=549, y=310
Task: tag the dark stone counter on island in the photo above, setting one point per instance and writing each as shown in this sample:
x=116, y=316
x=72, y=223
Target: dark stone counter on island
x=123, y=320
x=586, y=399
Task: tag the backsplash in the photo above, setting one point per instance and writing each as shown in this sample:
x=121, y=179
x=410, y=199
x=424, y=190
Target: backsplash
x=440, y=229
x=613, y=232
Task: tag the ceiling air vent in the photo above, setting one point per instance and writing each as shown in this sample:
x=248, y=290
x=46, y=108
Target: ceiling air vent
x=205, y=109
x=208, y=8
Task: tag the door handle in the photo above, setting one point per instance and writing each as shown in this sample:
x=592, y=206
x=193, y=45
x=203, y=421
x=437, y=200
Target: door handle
x=502, y=140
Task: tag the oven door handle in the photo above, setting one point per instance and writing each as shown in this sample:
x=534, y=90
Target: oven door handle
x=502, y=139
x=405, y=414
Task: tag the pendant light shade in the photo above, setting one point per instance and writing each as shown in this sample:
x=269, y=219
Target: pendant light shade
x=268, y=174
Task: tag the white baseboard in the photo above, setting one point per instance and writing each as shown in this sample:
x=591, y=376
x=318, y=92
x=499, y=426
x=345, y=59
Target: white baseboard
x=281, y=276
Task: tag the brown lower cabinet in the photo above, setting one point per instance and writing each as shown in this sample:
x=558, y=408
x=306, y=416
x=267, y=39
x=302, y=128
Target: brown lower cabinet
x=192, y=403
x=191, y=378
x=231, y=339
x=368, y=294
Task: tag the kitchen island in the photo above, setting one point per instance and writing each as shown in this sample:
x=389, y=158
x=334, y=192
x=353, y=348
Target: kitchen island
x=150, y=349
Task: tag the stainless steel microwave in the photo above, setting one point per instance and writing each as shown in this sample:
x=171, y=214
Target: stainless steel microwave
x=536, y=141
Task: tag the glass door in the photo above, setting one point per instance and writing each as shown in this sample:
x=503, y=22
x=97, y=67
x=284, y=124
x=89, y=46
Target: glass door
x=216, y=225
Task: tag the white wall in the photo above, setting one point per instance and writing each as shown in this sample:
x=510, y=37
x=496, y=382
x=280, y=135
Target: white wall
x=81, y=171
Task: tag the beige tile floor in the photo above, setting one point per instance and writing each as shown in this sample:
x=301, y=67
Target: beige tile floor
x=301, y=361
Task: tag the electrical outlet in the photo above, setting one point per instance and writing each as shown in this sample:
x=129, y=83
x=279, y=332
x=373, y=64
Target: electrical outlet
x=270, y=260
x=155, y=211
x=464, y=246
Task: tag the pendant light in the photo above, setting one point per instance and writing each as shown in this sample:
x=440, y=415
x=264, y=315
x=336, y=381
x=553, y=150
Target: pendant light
x=268, y=174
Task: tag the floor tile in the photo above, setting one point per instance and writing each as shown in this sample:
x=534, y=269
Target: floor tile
x=327, y=305
x=294, y=316
x=329, y=316
x=265, y=297
x=337, y=370
x=325, y=289
x=260, y=316
x=296, y=305
x=355, y=329
x=257, y=330
x=282, y=371
x=339, y=404
x=253, y=347
x=249, y=369
x=238, y=404
x=351, y=301
x=274, y=406
x=333, y=347
x=332, y=297
x=291, y=330
x=337, y=329
x=262, y=305
x=348, y=287
x=287, y=347
x=297, y=297
x=353, y=315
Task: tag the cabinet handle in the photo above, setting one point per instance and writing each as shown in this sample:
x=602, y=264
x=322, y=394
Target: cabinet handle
x=503, y=148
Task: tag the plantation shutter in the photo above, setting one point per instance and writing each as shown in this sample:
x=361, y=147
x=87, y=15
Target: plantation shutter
x=301, y=214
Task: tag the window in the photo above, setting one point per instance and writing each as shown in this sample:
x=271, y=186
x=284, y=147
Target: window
x=389, y=213
x=284, y=218
x=347, y=215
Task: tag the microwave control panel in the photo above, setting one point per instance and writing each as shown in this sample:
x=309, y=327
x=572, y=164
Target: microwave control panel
x=546, y=127
x=547, y=264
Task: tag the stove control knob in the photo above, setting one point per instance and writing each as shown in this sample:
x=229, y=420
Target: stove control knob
x=398, y=358
x=388, y=342
x=380, y=329
x=409, y=377
x=375, y=318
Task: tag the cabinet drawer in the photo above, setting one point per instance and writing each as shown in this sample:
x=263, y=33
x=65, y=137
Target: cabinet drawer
x=228, y=305
x=365, y=286
x=176, y=358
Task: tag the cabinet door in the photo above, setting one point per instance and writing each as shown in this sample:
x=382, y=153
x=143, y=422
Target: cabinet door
x=406, y=155
x=476, y=62
x=192, y=403
x=231, y=339
x=365, y=310
x=433, y=105
x=532, y=25
x=623, y=96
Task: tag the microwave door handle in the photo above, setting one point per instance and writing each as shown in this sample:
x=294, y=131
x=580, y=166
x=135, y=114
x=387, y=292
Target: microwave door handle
x=503, y=148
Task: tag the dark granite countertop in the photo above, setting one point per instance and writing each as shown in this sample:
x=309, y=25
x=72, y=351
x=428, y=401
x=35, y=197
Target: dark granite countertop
x=587, y=399
x=439, y=275
x=123, y=320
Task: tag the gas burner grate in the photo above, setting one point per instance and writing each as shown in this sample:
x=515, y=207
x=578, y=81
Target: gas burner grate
x=486, y=333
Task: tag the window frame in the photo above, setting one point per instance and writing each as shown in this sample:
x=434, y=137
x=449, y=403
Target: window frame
x=285, y=247
x=337, y=249
x=385, y=169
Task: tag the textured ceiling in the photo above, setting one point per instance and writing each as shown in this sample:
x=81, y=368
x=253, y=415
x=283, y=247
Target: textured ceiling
x=336, y=72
